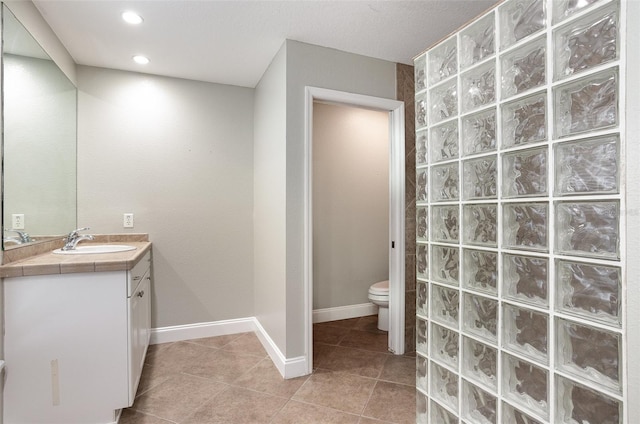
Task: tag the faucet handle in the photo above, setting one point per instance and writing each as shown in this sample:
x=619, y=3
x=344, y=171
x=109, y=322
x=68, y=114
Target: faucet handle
x=24, y=236
x=77, y=230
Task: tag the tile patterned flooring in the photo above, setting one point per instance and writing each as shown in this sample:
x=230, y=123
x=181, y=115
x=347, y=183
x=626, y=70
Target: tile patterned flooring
x=231, y=380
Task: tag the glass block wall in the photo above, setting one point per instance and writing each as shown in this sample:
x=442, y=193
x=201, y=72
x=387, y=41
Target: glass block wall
x=519, y=314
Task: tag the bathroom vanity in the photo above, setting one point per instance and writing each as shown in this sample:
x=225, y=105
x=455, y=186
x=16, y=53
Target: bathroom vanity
x=76, y=333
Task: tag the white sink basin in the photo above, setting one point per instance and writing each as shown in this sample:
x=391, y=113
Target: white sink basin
x=88, y=249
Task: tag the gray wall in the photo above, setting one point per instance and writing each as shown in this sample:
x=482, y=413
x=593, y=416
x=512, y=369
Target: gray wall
x=309, y=65
x=350, y=203
x=179, y=155
x=269, y=170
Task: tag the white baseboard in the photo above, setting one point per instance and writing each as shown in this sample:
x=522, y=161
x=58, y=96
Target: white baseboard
x=344, y=312
x=288, y=367
x=200, y=330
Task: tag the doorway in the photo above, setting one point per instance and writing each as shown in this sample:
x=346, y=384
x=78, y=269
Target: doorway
x=396, y=247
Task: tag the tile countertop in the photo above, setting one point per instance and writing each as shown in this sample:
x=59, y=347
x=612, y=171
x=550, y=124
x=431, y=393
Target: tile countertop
x=51, y=263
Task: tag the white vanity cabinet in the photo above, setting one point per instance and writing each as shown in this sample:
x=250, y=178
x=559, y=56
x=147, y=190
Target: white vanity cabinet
x=75, y=344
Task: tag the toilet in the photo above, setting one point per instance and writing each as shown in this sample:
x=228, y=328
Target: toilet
x=379, y=295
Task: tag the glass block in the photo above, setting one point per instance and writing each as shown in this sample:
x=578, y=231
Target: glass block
x=422, y=408
x=525, y=332
x=443, y=61
x=481, y=317
x=587, y=104
x=588, y=228
x=422, y=298
x=562, y=9
x=478, y=405
x=420, y=72
x=589, y=353
x=479, y=178
x=519, y=19
x=422, y=141
x=525, y=226
x=480, y=362
x=588, y=166
x=589, y=291
x=524, y=173
x=481, y=270
x=443, y=102
x=478, y=86
x=422, y=180
x=444, y=345
x=439, y=415
x=444, y=142
x=422, y=261
x=422, y=335
x=446, y=264
x=421, y=110
x=479, y=132
x=477, y=42
x=444, y=386
x=444, y=182
x=480, y=224
x=524, y=68
x=524, y=120
x=445, y=305
x=515, y=416
x=525, y=279
x=526, y=385
x=591, y=41
x=445, y=223
x=577, y=404
x=422, y=223
x=422, y=373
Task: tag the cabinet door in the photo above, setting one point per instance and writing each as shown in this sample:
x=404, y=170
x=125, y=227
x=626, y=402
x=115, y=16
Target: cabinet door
x=139, y=332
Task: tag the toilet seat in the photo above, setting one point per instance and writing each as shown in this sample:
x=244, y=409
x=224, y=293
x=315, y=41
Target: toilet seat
x=379, y=289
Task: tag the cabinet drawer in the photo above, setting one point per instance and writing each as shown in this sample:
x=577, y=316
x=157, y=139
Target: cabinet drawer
x=137, y=272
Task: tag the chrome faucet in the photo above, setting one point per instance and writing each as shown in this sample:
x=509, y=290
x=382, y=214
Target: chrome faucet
x=74, y=238
x=22, y=237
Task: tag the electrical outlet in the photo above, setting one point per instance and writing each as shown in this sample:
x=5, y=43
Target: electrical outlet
x=128, y=220
x=17, y=221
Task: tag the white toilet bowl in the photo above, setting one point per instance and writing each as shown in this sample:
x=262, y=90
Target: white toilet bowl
x=379, y=295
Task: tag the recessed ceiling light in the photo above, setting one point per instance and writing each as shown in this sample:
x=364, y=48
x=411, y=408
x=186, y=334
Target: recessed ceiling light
x=142, y=60
x=132, y=18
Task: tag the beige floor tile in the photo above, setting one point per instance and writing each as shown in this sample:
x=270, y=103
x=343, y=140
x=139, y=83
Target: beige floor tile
x=152, y=376
x=237, y=405
x=359, y=339
x=399, y=369
x=130, y=416
x=176, y=355
x=353, y=361
x=216, y=342
x=370, y=324
x=247, y=343
x=346, y=323
x=221, y=366
x=296, y=412
x=329, y=335
x=392, y=402
x=266, y=378
x=178, y=396
x=345, y=392
x=365, y=420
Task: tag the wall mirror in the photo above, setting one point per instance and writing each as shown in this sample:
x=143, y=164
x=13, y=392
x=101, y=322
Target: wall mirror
x=39, y=140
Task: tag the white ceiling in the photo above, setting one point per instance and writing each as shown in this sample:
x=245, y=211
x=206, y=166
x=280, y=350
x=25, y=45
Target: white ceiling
x=233, y=42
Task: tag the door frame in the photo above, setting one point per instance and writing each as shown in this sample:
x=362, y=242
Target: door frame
x=396, y=210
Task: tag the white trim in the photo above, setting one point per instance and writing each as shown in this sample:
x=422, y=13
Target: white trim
x=344, y=312
x=288, y=368
x=396, y=210
x=201, y=330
